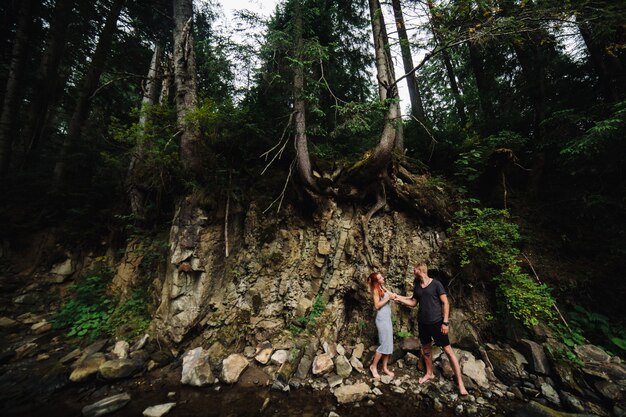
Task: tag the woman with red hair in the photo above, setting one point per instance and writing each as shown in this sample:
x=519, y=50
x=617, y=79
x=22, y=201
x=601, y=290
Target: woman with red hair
x=382, y=299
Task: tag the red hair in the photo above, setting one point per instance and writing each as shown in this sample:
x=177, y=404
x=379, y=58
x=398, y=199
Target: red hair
x=375, y=285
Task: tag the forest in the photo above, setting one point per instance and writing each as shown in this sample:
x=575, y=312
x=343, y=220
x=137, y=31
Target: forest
x=222, y=182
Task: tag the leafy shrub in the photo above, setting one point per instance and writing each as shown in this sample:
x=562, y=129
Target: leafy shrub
x=598, y=327
x=487, y=237
x=91, y=313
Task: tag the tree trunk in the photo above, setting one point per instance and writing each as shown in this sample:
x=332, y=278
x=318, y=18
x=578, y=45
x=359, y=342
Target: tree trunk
x=531, y=60
x=301, y=142
x=386, y=76
x=81, y=111
x=46, y=84
x=136, y=193
x=12, y=93
x=447, y=62
x=483, y=85
x=417, y=107
x=186, y=87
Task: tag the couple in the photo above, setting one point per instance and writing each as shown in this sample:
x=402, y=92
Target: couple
x=432, y=321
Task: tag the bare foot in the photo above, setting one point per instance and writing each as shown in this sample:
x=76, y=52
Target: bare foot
x=463, y=392
x=388, y=372
x=425, y=378
x=374, y=372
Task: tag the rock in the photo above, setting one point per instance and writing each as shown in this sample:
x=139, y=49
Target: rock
x=536, y=356
x=356, y=364
x=41, y=327
x=550, y=394
x=249, y=352
x=358, y=351
x=609, y=390
x=232, y=368
x=303, y=307
x=385, y=379
x=607, y=371
x=197, y=369
x=570, y=402
x=121, y=349
x=217, y=353
x=26, y=350
x=158, y=410
x=90, y=350
x=279, y=357
x=351, y=393
x=535, y=409
x=341, y=350
x=263, y=352
x=140, y=356
x=118, y=369
x=323, y=246
x=342, y=366
x=322, y=364
x=334, y=380
x=7, y=323
x=333, y=414
x=330, y=349
x=42, y=357
x=462, y=333
x=505, y=366
x=140, y=342
x=592, y=353
x=254, y=377
x=411, y=359
x=64, y=268
x=88, y=367
x=71, y=355
x=565, y=375
x=475, y=369
x=304, y=366
x=411, y=344
x=106, y=406
x=446, y=367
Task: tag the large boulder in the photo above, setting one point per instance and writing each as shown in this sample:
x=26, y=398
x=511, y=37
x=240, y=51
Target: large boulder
x=232, y=368
x=536, y=356
x=88, y=367
x=535, y=409
x=592, y=353
x=565, y=375
x=322, y=364
x=118, y=368
x=351, y=393
x=342, y=366
x=475, y=369
x=106, y=406
x=264, y=352
x=196, y=369
x=505, y=366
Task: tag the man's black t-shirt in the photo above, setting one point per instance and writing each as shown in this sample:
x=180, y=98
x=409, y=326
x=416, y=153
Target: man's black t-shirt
x=430, y=310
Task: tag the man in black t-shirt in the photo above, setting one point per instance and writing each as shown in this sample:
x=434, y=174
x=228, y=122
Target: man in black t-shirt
x=432, y=321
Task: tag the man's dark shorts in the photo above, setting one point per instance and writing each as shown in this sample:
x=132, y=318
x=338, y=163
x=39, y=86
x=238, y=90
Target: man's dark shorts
x=429, y=332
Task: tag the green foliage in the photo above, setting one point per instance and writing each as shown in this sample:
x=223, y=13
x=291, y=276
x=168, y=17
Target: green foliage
x=402, y=334
x=317, y=309
x=599, y=328
x=91, y=313
x=487, y=238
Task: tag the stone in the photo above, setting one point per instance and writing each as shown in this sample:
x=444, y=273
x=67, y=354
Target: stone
x=140, y=356
x=106, y=406
x=41, y=327
x=330, y=349
x=356, y=364
x=411, y=359
x=322, y=364
x=232, y=367
x=118, y=369
x=217, y=352
x=7, y=322
x=342, y=366
x=249, y=352
x=263, y=352
x=591, y=353
x=536, y=356
x=279, y=357
x=26, y=350
x=303, y=307
x=565, y=375
x=411, y=344
x=158, y=410
x=475, y=369
x=304, y=366
x=64, y=268
x=505, y=366
x=334, y=380
x=535, y=409
x=88, y=367
x=446, y=367
x=609, y=390
x=140, y=342
x=71, y=355
x=351, y=393
x=120, y=350
x=90, y=350
x=340, y=350
x=323, y=246
x=462, y=333
x=550, y=394
x=571, y=403
x=197, y=369
x=358, y=350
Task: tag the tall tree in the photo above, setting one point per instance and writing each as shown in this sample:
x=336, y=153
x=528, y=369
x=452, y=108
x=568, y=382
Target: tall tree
x=46, y=82
x=417, y=107
x=13, y=87
x=186, y=86
x=387, y=88
x=90, y=83
x=447, y=61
